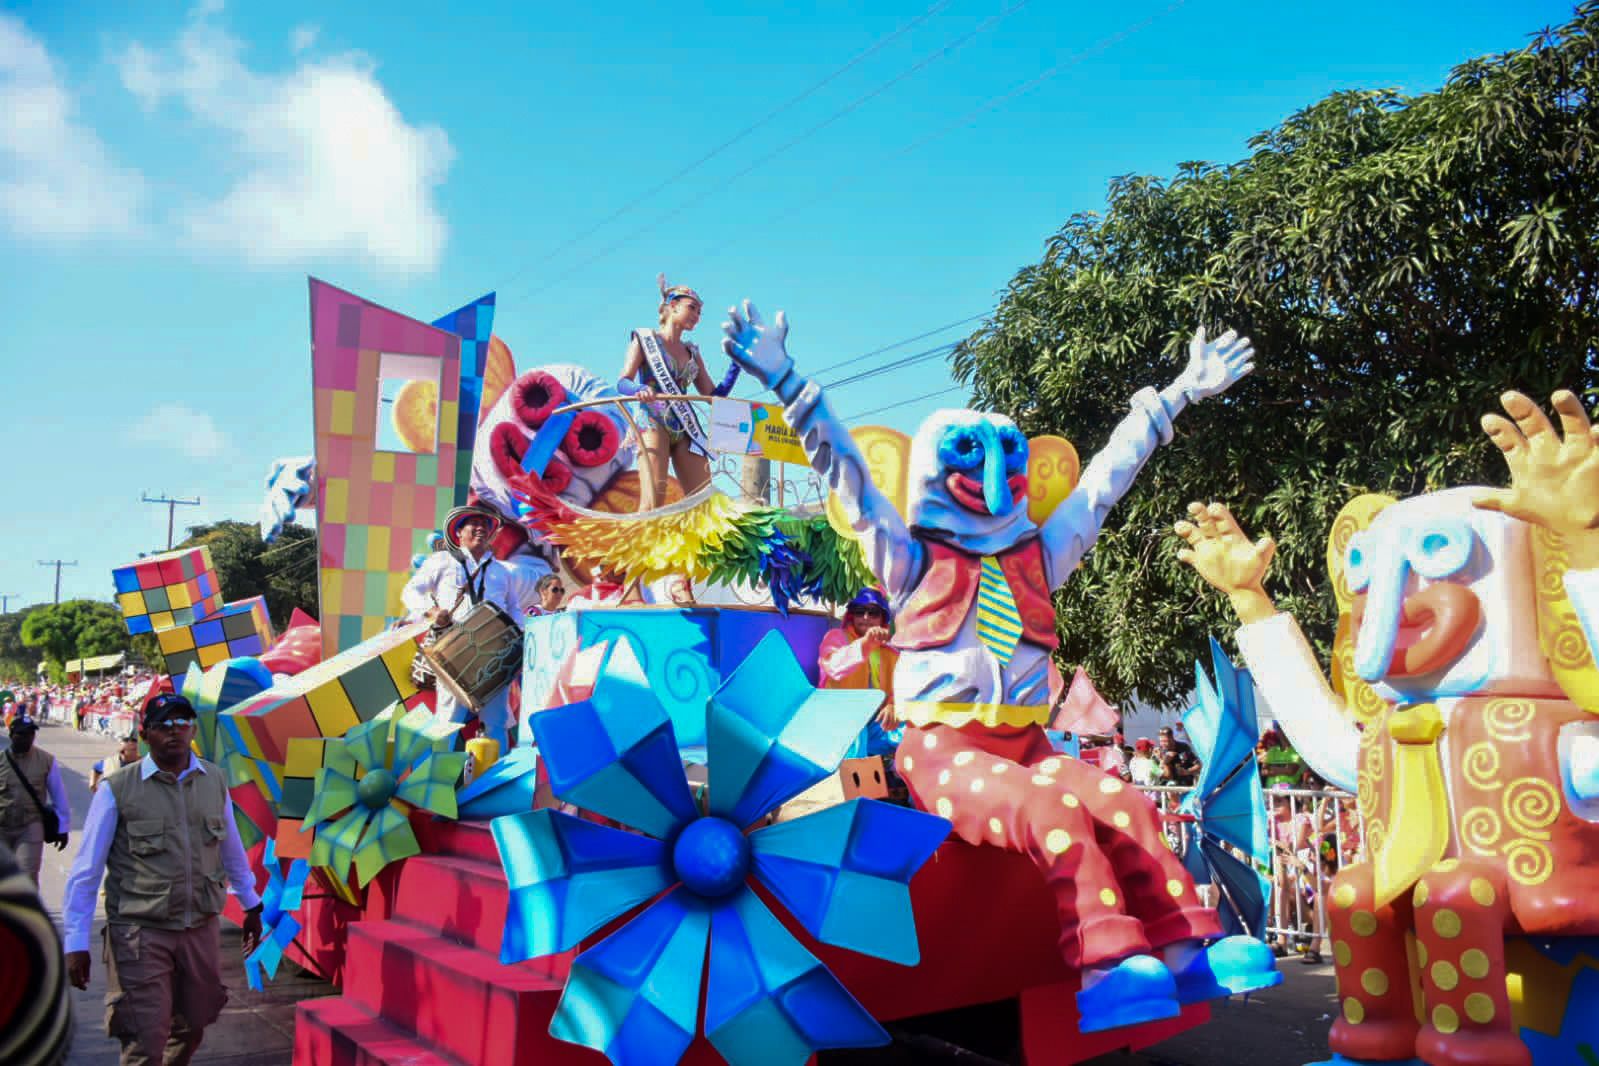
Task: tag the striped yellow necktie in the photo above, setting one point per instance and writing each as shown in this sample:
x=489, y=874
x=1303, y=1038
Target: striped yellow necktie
x=999, y=624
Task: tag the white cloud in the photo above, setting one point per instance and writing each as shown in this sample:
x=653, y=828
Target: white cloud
x=172, y=425
x=303, y=37
x=57, y=180
x=328, y=167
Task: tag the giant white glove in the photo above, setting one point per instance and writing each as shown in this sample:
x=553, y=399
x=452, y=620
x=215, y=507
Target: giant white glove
x=1213, y=368
x=759, y=348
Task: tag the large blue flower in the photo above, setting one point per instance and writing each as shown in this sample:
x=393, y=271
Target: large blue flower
x=843, y=871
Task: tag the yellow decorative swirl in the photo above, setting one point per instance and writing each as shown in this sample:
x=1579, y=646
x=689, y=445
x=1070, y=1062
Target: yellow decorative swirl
x=1372, y=773
x=1531, y=806
x=1510, y=721
x=1529, y=862
x=1376, y=835
x=1559, y=634
x=1480, y=830
x=1480, y=765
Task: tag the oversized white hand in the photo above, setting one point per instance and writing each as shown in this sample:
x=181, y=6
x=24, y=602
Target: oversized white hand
x=1214, y=366
x=755, y=346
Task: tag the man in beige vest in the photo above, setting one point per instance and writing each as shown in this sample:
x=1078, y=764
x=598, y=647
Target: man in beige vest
x=30, y=788
x=162, y=834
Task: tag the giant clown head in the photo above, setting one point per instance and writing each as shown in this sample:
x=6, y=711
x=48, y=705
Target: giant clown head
x=967, y=481
x=1445, y=601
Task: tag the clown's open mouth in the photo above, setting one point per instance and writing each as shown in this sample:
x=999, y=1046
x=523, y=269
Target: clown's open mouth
x=1436, y=624
x=968, y=492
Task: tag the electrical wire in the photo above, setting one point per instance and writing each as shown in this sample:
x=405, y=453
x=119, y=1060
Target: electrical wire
x=902, y=403
x=665, y=183
x=898, y=364
x=897, y=344
x=853, y=105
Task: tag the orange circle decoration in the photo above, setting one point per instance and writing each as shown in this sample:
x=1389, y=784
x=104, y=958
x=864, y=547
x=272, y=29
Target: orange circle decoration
x=1052, y=469
x=498, y=373
x=416, y=415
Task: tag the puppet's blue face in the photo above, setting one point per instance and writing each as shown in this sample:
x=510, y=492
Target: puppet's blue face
x=968, y=478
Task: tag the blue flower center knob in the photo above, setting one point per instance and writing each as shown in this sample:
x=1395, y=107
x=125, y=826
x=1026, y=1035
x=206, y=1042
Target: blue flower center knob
x=711, y=857
x=376, y=789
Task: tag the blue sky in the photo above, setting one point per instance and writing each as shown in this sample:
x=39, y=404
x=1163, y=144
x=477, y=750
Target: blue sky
x=170, y=174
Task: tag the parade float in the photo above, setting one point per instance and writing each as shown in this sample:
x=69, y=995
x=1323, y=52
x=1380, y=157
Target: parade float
x=669, y=862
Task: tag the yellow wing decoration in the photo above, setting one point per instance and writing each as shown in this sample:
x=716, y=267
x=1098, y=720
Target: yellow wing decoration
x=1559, y=633
x=1052, y=470
x=888, y=456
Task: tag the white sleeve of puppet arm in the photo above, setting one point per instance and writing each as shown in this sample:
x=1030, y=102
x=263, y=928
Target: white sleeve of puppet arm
x=88, y=870
x=235, y=863
x=417, y=596
x=1284, y=665
x=58, y=795
x=891, y=552
x=1071, y=530
x=1582, y=587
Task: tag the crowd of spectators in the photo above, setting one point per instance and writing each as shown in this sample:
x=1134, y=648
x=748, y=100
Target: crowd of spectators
x=95, y=704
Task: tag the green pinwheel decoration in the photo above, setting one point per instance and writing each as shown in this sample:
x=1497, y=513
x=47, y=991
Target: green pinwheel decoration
x=370, y=780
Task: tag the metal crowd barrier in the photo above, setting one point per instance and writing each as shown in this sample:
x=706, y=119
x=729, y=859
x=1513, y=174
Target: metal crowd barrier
x=1313, y=835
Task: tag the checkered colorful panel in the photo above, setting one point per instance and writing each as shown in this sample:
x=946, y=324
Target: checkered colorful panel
x=172, y=589
x=474, y=324
x=237, y=629
x=359, y=485
x=328, y=699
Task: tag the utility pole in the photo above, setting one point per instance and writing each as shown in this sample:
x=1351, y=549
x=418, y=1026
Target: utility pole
x=172, y=505
x=58, y=564
x=5, y=601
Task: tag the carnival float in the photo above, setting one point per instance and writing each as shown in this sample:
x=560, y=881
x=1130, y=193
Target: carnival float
x=685, y=842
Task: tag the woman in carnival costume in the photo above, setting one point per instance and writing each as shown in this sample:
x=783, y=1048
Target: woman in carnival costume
x=665, y=362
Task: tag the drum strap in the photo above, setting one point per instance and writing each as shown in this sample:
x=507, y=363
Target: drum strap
x=474, y=584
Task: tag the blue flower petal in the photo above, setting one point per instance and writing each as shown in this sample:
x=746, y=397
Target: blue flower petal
x=615, y=753
x=771, y=734
x=845, y=872
x=769, y=1001
x=568, y=877
x=504, y=788
x=635, y=996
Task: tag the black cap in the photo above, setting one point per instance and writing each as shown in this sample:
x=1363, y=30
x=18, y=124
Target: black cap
x=24, y=721
x=166, y=701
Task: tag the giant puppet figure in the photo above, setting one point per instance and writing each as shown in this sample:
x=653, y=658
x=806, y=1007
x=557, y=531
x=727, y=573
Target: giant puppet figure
x=969, y=575
x=1472, y=616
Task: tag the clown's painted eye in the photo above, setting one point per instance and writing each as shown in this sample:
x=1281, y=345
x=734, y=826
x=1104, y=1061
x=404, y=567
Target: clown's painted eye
x=1439, y=548
x=1015, y=445
x=1357, y=563
x=961, y=449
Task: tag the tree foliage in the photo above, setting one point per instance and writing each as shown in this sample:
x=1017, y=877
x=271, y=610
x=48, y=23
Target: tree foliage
x=75, y=629
x=1400, y=261
x=285, y=572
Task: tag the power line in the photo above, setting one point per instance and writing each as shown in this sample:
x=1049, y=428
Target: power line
x=896, y=344
x=648, y=194
x=58, y=564
x=853, y=105
x=902, y=403
x=898, y=364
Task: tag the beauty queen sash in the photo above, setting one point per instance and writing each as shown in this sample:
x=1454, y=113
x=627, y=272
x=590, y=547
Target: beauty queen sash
x=682, y=410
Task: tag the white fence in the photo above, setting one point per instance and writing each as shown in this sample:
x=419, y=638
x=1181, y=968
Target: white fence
x=1313, y=835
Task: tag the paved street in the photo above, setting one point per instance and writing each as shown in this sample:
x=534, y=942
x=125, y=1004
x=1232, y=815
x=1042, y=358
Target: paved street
x=256, y=1028
x=1286, y=1026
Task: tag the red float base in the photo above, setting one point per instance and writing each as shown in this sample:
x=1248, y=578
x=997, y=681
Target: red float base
x=419, y=967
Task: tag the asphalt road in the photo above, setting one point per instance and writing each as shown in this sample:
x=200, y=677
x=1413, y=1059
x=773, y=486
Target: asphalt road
x=1285, y=1026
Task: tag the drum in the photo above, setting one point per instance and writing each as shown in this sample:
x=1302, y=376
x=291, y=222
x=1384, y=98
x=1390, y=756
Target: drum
x=477, y=656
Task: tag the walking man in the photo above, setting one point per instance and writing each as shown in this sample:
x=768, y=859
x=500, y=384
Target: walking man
x=161, y=833
x=28, y=774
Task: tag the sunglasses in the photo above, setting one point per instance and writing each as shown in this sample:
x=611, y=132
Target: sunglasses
x=171, y=725
x=869, y=612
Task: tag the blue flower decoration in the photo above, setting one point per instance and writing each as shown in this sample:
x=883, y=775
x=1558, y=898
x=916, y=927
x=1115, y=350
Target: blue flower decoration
x=283, y=895
x=843, y=872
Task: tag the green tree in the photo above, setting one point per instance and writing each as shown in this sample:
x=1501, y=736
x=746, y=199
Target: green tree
x=285, y=572
x=1399, y=261
x=18, y=662
x=75, y=629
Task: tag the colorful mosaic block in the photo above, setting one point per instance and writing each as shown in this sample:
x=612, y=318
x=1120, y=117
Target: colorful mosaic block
x=474, y=324
x=172, y=589
x=328, y=699
x=366, y=523
x=237, y=629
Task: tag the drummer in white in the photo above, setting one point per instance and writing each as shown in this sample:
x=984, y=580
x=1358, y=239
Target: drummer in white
x=449, y=583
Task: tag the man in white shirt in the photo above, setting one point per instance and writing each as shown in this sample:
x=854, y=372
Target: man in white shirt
x=450, y=582
x=161, y=832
